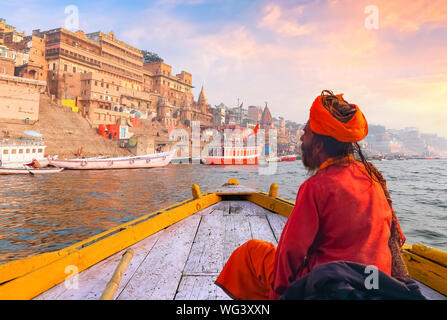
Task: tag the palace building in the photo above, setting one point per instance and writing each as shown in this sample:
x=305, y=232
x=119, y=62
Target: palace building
x=103, y=76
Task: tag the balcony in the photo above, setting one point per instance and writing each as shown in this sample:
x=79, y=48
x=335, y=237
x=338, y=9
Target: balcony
x=97, y=65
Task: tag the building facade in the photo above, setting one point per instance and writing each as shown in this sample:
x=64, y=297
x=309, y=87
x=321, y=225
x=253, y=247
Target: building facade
x=101, y=74
x=36, y=66
x=176, y=88
x=6, y=66
x=20, y=99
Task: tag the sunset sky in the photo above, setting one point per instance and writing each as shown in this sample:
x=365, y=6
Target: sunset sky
x=284, y=52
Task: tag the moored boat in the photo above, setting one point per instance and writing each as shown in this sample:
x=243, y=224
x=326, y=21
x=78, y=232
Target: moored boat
x=145, y=161
x=232, y=155
x=17, y=153
x=32, y=171
x=273, y=159
x=289, y=158
x=145, y=265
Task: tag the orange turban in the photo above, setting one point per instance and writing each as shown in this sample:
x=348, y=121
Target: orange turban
x=324, y=123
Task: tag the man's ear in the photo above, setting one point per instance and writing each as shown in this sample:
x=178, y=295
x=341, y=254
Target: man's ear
x=318, y=148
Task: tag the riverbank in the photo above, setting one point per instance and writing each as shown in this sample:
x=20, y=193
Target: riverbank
x=65, y=132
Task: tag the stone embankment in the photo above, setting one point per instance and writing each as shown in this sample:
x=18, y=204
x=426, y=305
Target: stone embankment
x=65, y=132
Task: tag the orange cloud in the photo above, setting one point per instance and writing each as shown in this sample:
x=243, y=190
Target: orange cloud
x=410, y=16
x=283, y=23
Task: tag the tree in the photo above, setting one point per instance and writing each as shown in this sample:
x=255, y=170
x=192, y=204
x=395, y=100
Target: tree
x=149, y=57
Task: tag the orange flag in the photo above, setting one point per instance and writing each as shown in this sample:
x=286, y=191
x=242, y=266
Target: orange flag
x=255, y=130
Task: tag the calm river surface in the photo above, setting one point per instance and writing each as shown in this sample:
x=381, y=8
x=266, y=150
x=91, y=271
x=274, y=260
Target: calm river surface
x=46, y=213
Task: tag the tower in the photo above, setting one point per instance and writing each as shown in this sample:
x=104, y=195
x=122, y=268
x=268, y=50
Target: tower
x=266, y=119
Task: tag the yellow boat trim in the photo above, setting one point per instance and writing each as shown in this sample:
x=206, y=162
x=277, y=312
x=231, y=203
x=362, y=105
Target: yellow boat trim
x=233, y=181
x=278, y=205
x=38, y=275
x=425, y=271
x=432, y=254
x=27, y=278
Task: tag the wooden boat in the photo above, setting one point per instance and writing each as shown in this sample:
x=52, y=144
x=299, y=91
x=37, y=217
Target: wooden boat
x=137, y=260
x=32, y=171
x=232, y=155
x=273, y=159
x=100, y=163
x=289, y=158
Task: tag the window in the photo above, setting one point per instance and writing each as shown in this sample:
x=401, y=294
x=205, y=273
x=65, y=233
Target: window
x=74, y=69
x=20, y=151
x=65, y=67
x=5, y=151
x=39, y=150
x=13, y=151
x=27, y=150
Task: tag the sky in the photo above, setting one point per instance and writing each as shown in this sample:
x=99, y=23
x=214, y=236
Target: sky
x=387, y=56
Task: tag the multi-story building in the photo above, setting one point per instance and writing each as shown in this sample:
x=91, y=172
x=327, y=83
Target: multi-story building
x=120, y=59
x=9, y=34
x=71, y=53
x=176, y=88
x=219, y=113
x=170, y=114
x=255, y=113
x=100, y=92
x=19, y=58
x=68, y=54
x=103, y=75
x=36, y=66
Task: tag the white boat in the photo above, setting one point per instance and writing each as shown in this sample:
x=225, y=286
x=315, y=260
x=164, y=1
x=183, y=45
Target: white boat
x=231, y=155
x=16, y=154
x=146, y=161
x=31, y=171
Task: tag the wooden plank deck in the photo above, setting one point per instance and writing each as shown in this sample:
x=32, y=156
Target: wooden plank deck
x=181, y=261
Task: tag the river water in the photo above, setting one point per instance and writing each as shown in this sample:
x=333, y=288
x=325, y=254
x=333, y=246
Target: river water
x=49, y=212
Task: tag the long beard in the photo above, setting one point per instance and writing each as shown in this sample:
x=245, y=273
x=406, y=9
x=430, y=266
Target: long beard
x=308, y=160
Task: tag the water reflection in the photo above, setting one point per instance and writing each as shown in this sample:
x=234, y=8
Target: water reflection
x=45, y=213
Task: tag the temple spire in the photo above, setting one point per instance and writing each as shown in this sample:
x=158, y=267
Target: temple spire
x=266, y=119
x=202, y=98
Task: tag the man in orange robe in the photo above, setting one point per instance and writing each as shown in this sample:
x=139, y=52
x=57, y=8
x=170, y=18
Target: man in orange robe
x=340, y=213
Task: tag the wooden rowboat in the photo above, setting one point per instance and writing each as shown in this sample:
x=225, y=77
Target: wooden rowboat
x=289, y=158
x=177, y=252
x=12, y=171
x=146, y=161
